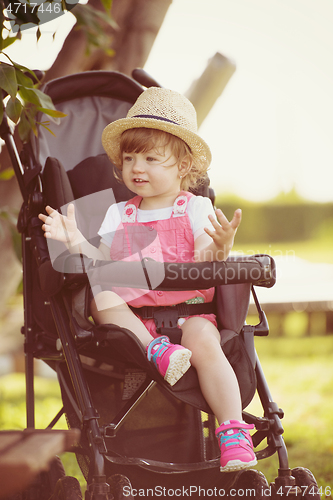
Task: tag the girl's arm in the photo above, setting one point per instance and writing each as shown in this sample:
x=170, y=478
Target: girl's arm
x=216, y=245
x=64, y=228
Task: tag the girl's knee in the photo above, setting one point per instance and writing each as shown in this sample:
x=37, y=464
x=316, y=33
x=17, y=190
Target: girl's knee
x=106, y=300
x=200, y=334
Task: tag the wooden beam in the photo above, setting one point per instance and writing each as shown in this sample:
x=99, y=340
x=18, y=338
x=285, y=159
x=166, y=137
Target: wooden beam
x=24, y=454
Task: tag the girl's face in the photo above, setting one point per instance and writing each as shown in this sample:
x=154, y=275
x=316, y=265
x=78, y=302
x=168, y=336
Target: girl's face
x=154, y=175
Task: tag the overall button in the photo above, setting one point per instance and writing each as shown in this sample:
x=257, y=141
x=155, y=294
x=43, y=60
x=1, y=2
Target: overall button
x=153, y=249
x=159, y=293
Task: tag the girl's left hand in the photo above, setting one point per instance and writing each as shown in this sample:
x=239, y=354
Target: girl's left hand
x=225, y=231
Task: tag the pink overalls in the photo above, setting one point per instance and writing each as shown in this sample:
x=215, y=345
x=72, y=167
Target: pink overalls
x=169, y=240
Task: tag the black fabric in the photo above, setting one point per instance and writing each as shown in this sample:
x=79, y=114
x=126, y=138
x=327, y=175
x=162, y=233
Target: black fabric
x=202, y=189
x=56, y=186
x=233, y=303
x=160, y=427
x=180, y=276
x=50, y=280
x=93, y=83
x=41, y=308
x=123, y=346
x=95, y=174
x=235, y=350
x=38, y=243
x=182, y=310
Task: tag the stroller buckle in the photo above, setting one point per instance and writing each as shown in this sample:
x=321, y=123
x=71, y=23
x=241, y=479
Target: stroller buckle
x=166, y=318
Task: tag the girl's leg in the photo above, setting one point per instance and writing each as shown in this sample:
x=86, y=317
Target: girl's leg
x=107, y=307
x=217, y=379
x=172, y=361
x=220, y=388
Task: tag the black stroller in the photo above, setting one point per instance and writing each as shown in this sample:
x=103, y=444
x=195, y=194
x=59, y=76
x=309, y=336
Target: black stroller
x=139, y=436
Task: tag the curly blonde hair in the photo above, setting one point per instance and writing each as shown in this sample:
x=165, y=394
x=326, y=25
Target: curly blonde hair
x=140, y=140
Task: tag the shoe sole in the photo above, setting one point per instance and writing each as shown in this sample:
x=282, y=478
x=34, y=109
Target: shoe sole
x=234, y=465
x=179, y=363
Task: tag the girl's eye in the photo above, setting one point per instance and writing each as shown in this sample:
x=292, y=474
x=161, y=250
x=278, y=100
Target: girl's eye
x=150, y=159
x=127, y=158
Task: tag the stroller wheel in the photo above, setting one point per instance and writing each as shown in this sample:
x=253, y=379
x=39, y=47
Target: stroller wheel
x=67, y=488
x=45, y=483
x=307, y=483
x=251, y=483
x=120, y=487
x=52, y=484
x=55, y=472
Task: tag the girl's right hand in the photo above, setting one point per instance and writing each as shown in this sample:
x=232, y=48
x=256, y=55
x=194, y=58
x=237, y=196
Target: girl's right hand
x=59, y=227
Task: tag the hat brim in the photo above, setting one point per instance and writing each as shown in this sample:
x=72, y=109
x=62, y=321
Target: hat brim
x=112, y=132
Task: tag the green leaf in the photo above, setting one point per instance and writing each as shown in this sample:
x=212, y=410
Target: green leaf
x=8, y=80
x=29, y=95
x=44, y=99
x=37, y=97
x=14, y=109
x=16, y=241
x=95, y=23
x=24, y=128
x=31, y=116
x=8, y=41
x=20, y=69
x=7, y=214
x=45, y=125
x=52, y=112
x=19, y=66
x=23, y=79
x=7, y=174
x=107, y=4
x=110, y=52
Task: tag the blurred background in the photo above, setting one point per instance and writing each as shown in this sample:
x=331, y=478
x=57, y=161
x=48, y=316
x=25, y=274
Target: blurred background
x=260, y=75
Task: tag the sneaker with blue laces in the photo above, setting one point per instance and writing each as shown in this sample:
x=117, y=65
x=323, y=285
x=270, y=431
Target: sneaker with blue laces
x=236, y=446
x=171, y=360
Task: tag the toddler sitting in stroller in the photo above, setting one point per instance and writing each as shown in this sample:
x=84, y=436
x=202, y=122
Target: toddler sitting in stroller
x=159, y=156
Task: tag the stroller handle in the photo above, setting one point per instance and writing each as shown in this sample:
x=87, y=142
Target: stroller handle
x=142, y=77
x=259, y=270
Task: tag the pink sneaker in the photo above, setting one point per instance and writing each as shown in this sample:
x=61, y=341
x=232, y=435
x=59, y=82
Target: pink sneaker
x=171, y=360
x=236, y=446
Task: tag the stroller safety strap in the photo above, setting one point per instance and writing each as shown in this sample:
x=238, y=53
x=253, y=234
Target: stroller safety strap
x=166, y=318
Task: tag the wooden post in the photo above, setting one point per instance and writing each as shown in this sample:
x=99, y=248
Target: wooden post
x=329, y=322
x=204, y=91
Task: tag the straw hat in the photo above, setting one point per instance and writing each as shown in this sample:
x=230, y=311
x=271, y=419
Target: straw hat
x=161, y=109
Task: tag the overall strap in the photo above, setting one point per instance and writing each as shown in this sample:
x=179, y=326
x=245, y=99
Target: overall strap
x=131, y=209
x=180, y=204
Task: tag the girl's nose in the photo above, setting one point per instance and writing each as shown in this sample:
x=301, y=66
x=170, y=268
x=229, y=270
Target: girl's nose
x=138, y=165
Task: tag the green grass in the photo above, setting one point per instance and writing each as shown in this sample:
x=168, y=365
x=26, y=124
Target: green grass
x=299, y=372
x=300, y=376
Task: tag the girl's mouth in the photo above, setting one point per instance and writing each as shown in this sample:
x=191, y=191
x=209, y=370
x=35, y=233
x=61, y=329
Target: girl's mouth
x=139, y=181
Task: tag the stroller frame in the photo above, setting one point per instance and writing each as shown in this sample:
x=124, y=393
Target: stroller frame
x=71, y=335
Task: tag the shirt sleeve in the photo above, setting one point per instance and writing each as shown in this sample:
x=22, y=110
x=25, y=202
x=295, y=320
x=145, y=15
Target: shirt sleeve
x=111, y=222
x=199, y=207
